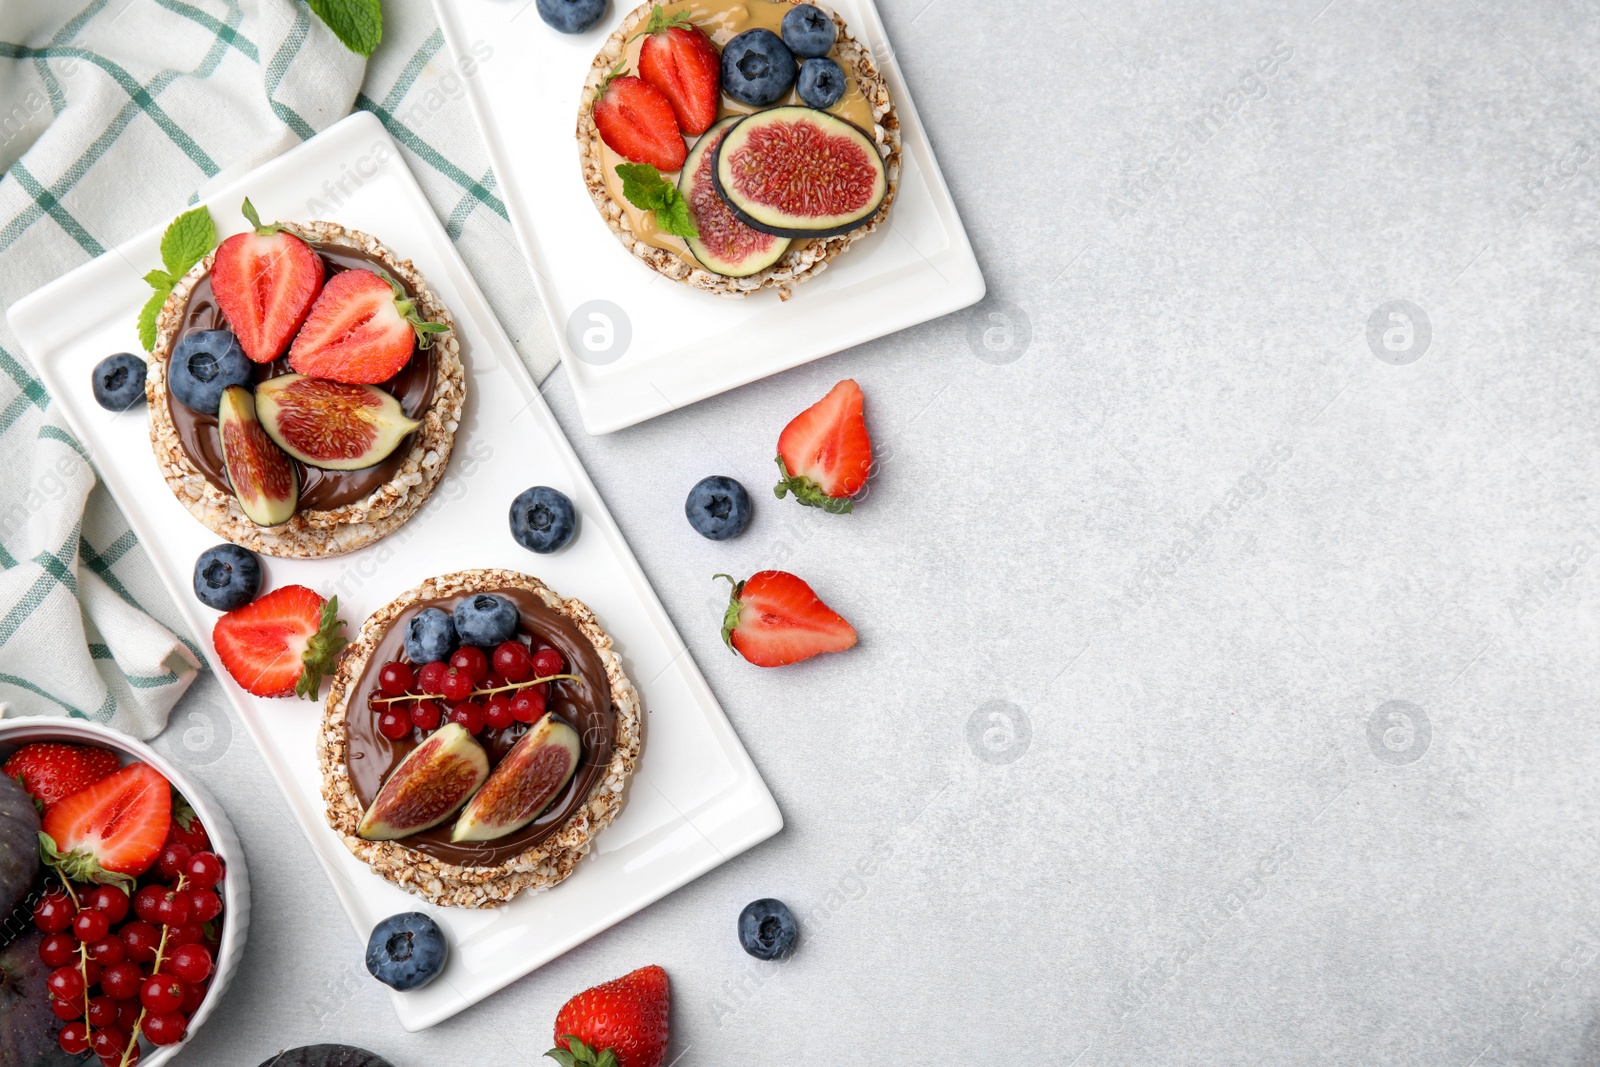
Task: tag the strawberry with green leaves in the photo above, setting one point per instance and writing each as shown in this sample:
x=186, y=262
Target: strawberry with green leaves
x=679, y=59
x=361, y=331
x=282, y=643
x=265, y=281
x=620, y=1023
x=775, y=619
x=825, y=453
x=111, y=832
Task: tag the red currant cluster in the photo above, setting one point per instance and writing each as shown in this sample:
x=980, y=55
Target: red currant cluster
x=117, y=977
x=497, y=691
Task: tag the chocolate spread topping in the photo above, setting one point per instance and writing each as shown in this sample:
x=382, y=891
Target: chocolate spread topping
x=586, y=706
x=320, y=490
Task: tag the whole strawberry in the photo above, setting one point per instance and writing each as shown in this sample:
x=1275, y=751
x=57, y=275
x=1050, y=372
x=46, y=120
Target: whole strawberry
x=623, y=1021
x=52, y=771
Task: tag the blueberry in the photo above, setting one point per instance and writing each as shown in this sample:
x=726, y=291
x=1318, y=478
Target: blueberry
x=227, y=577
x=821, y=82
x=767, y=928
x=571, y=16
x=430, y=636
x=718, y=508
x=406, y=951
x=542, y=519
x=485, y=620
x=119, y=381
x=757, y=68
x=808, y=31
x=203, y=364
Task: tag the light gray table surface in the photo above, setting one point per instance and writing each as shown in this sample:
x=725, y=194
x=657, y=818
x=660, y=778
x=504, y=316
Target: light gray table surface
x=1117, y=774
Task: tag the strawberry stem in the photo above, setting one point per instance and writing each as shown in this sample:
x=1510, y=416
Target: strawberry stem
x=482, y=692
x=321, y=650
x=730, y=618
x=249, y=212
x=809, y=492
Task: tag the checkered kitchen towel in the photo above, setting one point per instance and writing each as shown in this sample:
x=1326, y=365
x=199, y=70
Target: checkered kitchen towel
x=112, y=119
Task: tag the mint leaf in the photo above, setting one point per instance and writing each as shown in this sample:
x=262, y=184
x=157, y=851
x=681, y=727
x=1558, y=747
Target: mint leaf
x=186, y=242
x=358, y=23
x=160, y=279
x=647, y=190
x=147, y=318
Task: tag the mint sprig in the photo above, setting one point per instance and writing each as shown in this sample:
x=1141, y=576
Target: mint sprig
x=647, y=190
x=186, y=241
x=357, y=23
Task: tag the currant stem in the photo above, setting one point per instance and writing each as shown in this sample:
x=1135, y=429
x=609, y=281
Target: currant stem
x=161, y=955
x=482, y=692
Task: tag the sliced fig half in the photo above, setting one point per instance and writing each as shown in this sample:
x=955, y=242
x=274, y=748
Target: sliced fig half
x=266, y=483
x=725, y=245
x=526, y=781
x=435, y=778
x=332, y=425
x=798, y=172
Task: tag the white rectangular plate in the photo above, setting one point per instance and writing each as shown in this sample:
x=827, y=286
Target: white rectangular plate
x=524, y=81
x=696, y=799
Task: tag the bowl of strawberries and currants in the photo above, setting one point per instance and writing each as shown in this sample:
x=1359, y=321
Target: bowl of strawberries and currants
x=123, y=896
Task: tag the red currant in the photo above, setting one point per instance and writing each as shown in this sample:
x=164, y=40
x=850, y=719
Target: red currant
x=512, y=661
x=109, y=1043
x=204, y=905
x=128, y=1059
x=161, y=993
x=173, y=908
x=190, y=963
x=108, y=951
x=165, y=1028
x=494, y=681
x=141, y=939
x=193, y=997
x=497, y=713
x=394, y=723
x=58, y=950
x=91, y=973
x=54, y=912
x=547, y=661
x=204, y=870
x=65, y=983
x=129, y=1014
x=528, y=705
x=185, y=934
x=457, y=685
x=430, y=679
x=109, y=901
x=146, y=900
x=91, y=925
x=396, y=678
x=102, y=1012
x=471, y=661
x=194, y=835
x=66, y=1009
x=426, y=715
x=121, y=981
x=172, y=860
x=469, y=715
x=74, y=1038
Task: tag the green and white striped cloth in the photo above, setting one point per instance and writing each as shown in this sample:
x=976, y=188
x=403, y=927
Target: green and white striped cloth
x=113, y=118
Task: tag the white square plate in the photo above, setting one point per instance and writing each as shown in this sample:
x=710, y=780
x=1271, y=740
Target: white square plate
x=524, y=81
x=696, y=799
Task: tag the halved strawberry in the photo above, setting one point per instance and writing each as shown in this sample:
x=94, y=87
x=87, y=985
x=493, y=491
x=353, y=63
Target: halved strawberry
x=680, y=60
x=111, y=832
x=51, y=771
x=264, y=282
x=824, y=454
x=362, y=330
x=636, y=120
x=775, y=619
x=280, y=644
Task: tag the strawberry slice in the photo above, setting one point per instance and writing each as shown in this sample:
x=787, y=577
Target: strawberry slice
x=111, y=832
x=824, y=454
x=51, y=771
x=636, y=120
x=774, y=619
x=264, y=282
x=280, y=644
x=361, y=331
x=680, y=60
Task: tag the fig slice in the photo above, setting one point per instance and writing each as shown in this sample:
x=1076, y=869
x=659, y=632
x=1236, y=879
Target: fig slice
x=427, y=787
x=798, y=172
x=332, y=425
x=523, y=785
x=725, y=246
x=266, y=483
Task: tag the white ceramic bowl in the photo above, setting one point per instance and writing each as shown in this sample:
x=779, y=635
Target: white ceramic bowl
x=14, y=733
